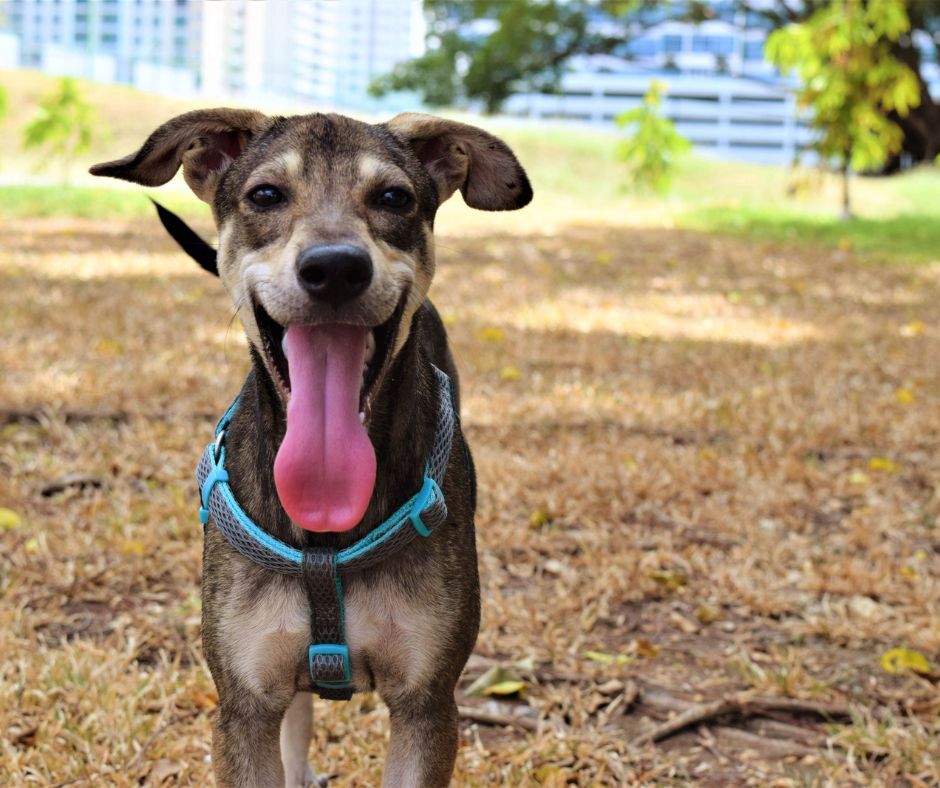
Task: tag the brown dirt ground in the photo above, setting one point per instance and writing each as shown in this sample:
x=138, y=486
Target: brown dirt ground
x=716, y=459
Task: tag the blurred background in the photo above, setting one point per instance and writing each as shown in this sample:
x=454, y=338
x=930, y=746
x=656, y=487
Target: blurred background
x=699, y=377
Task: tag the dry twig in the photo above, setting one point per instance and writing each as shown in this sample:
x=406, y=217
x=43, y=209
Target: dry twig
x=488, y=718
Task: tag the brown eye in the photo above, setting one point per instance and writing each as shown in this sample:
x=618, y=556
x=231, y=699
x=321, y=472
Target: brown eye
x=265, y=196
x=395, y=199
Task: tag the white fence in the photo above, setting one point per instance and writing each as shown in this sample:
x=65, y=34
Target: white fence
x=732, y=117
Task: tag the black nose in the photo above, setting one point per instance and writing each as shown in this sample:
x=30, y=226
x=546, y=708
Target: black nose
x=336, y=273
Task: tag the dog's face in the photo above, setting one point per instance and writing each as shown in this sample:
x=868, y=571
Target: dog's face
x=325, y=245
x=325, y=219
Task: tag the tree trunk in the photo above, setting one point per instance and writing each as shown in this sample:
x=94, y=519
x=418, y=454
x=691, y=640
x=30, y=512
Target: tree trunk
x=921, y=126
x=846, y=203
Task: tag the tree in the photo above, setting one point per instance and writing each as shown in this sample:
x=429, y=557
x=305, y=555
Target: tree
x=651, y=150
x=850, y=80
x=921, y=125
x=63, y=124
x=484, y=50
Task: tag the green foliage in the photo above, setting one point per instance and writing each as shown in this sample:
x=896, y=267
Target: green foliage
x=63, y=124
x=850, y=78
x=654, y=144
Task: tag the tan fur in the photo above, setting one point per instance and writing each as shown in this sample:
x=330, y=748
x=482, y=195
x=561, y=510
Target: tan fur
x=264, y=633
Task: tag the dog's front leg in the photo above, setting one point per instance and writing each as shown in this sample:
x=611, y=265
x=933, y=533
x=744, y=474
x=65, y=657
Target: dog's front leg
x=246, y=749
x=295, y=742
x=423, y=744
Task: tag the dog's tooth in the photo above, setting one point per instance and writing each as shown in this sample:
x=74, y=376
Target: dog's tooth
x=284, y=344
x=370, y=346
x=362, y=417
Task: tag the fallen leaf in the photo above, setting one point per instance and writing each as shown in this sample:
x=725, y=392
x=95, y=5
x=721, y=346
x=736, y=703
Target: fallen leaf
x=901, y=660
x=492, y=334
x=681, y=623
x=706, y=614
x=510, y=373
x=504, y=688
x=163, y=770
x=883, y=464
x=913, y=328
x=133, y=547
x=538, y=518
x=502, y=678
x=904, y=396
x=9, y=519
x=603, y=658
x=646, y=649
x=673, y=581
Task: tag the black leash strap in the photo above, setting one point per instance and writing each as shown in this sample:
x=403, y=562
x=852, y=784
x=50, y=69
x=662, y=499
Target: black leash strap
x=189, y=241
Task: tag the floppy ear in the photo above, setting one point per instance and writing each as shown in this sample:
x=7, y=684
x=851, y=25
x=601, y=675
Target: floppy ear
x=458, y=156
x=205, y=142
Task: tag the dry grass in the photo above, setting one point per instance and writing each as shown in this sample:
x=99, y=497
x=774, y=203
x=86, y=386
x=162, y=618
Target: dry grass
x=716, y=458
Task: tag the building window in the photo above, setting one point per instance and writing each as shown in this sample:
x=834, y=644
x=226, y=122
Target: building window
x=754, y=50
x=672, y=43
x=721, y=45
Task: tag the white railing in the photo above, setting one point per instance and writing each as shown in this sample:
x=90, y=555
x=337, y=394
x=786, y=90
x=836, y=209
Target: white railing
x=732, y=117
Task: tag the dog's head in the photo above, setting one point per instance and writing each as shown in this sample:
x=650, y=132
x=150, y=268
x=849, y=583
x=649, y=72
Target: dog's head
x=325, y=245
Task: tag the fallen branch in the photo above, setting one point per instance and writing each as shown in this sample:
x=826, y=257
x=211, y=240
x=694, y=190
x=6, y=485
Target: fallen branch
x=488, y=718
x=740, y=705
x=80, y=480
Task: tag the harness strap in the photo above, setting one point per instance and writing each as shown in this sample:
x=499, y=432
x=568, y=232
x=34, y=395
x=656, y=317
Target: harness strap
x=328, y=655
x=320, y=569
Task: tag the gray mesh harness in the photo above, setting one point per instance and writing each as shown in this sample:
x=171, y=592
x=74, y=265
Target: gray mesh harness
x=321, y=568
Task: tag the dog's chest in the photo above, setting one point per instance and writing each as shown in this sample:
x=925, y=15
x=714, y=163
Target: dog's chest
x=389, y=637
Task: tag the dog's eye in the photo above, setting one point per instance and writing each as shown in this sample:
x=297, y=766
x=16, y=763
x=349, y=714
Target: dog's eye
x=265, y=196
x=396, y=199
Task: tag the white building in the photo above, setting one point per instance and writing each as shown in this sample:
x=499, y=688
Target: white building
x=322, y=50
x=109, y=40
x=327, y=51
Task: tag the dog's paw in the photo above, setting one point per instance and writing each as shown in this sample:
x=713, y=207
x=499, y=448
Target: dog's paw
x=307, y=779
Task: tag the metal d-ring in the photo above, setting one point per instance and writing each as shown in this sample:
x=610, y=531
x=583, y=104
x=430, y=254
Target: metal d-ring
x=218, y=444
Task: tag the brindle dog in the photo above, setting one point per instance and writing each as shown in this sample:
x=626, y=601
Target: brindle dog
x=326, y=221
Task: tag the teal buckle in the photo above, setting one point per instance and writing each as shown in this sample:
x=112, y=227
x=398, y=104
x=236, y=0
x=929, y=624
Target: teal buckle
x=422, y=499
x=326, y=650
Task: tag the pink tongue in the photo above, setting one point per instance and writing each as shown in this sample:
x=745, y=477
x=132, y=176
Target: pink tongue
x=325, y=468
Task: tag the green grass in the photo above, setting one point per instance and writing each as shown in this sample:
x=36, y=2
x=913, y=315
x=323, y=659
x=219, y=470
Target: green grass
x=94, y=202
x=911, y=237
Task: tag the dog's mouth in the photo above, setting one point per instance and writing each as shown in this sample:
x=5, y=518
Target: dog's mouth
x=327, y=375
x=379, y=342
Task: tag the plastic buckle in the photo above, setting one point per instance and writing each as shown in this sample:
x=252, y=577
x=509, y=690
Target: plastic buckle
x=217, y=474
x=328, y=650
x=422, y=499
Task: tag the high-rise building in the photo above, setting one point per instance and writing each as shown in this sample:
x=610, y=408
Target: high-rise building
x=109, y=40
x=322, y=50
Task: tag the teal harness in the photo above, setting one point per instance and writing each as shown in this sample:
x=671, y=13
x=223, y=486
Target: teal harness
x=321, y=569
